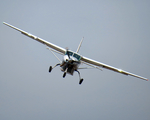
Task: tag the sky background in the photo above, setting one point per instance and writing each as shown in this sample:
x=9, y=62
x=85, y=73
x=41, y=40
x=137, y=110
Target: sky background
x=115, y=32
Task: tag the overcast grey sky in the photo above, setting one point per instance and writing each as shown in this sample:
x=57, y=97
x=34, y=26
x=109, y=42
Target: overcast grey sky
x=115, y=32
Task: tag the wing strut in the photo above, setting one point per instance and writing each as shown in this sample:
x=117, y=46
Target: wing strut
x=54, y=54
x=79, y=45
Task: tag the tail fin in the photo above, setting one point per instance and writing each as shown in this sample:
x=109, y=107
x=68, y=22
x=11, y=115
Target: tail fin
x=79, y=45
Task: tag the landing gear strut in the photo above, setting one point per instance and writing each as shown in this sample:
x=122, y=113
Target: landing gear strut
x=50, y=68
x=81, y=79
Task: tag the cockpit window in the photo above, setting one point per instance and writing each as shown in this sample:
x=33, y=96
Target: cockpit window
x=69, y=53
x=78, y=57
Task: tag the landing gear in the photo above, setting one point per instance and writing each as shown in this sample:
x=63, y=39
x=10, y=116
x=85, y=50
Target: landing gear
x=81, y=79
x=50, y=68
x=64, y=74
x=67, y=69
x=80, y=82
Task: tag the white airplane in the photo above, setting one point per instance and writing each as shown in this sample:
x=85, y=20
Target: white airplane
x=72, y=60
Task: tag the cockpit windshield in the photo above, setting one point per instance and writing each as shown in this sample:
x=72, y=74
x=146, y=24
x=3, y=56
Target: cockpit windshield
x=78, y=57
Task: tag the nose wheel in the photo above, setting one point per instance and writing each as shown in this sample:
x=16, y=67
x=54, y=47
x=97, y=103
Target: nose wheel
x=64, y=75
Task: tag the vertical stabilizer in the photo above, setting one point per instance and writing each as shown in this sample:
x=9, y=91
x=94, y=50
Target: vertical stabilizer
x=79, y=45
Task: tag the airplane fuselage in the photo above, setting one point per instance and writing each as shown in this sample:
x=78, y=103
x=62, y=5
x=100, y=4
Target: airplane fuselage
x=70, y=63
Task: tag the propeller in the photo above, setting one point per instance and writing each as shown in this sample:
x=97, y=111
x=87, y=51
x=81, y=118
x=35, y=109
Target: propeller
x=68, y=54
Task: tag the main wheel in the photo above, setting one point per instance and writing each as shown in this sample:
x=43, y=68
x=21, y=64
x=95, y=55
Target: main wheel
x=50, y=68
x=80, y=82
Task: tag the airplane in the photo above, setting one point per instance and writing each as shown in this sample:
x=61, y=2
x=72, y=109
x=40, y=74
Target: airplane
x=72, y=60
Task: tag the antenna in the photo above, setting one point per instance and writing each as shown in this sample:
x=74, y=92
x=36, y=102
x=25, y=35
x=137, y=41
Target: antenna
x=79, y=45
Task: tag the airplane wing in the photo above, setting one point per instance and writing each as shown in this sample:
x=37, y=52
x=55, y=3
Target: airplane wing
x=99, y=64
x=84, y=59
x=55, y=47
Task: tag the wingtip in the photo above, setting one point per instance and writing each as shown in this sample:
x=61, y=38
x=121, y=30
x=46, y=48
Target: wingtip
x=4, y=23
